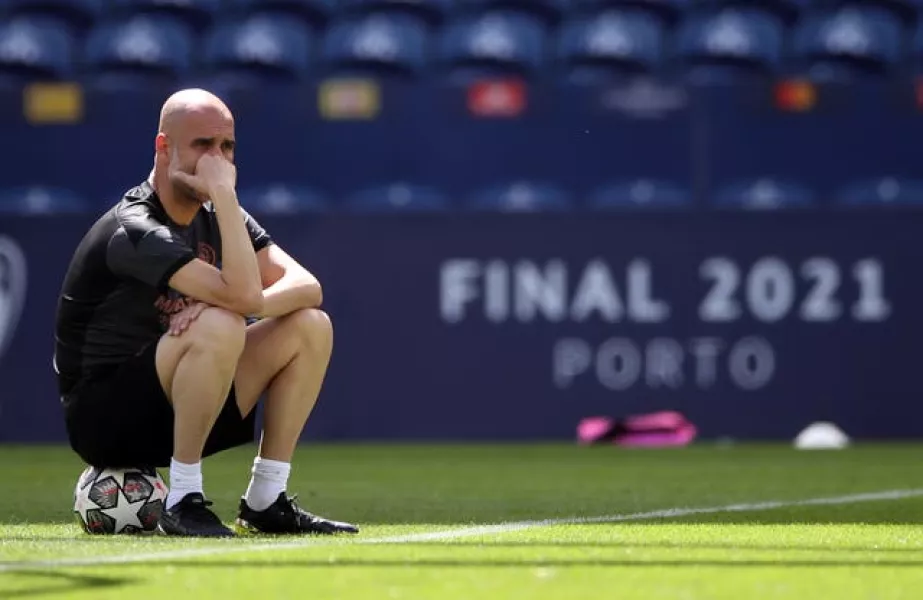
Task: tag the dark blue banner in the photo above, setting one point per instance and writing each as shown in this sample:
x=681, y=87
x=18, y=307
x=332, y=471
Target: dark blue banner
x=515, y=327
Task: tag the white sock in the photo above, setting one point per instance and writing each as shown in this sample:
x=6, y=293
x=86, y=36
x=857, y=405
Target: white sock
x=184, y=479
x=270, y=477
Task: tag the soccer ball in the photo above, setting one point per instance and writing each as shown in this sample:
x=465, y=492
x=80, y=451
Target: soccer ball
x=109, y=501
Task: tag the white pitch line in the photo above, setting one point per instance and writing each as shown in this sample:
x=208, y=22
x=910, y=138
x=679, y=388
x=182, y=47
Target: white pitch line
x=452, y=534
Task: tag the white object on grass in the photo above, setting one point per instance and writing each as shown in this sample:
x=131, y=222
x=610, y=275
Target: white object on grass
x=822, y=435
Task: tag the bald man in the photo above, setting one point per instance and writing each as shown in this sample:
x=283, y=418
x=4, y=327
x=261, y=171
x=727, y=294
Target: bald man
x=156, y=363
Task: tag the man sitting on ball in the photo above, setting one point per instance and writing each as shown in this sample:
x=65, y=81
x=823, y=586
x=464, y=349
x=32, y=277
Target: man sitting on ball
x=155, y=360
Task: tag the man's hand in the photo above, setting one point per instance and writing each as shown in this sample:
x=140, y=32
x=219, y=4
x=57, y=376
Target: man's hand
x=181, y=321
x=213, y=173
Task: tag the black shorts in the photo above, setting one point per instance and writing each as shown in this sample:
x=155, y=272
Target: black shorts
x=125, y=419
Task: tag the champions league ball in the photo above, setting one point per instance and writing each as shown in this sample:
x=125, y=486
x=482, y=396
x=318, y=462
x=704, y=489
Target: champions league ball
x=111, y=501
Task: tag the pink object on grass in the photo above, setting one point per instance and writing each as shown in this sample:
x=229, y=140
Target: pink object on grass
x=591, y=429
x=682, y=436
x=659, y=429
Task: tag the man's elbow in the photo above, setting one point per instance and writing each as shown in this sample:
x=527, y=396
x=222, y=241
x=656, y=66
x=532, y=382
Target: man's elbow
x=314, y=293
x=251, y=304
x=307, y=287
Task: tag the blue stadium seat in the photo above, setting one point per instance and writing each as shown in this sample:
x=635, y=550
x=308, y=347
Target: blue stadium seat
x=312, y=12
x=377, y=45
x=432, y=11
x=906, y=11
x=500, y=43
x=729, y=44
x=640, y=194
x=521, y=196
x=404, y=197
x=76, y=13
x=848, y=42
x=887, y=191
x=197, y=13
x=549, y=11
x=789, y=11
x=281, y=198
x=261, y=47
x=611, y=44
x=763, y=194
x=668, y=11
x=40, y=200
x=35, y=48
x=124, y=53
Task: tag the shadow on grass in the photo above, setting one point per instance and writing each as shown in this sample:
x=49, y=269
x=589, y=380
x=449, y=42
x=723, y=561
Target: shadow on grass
x=54, y=582
x=82, y=539
x=169, y=544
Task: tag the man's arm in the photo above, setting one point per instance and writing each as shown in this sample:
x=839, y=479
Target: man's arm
x=200, y=280
x=288, y=286
x=237, y=286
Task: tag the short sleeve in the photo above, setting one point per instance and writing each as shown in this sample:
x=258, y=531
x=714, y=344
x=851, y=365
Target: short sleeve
x=152, y=255
x=258, y=235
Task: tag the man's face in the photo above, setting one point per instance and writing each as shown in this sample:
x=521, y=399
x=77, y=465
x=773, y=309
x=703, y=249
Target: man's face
x=204, y=131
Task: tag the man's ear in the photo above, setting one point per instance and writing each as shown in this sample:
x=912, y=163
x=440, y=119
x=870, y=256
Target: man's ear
x=162, y=144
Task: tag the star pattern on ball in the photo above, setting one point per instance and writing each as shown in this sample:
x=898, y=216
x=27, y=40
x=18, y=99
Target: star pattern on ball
x=125, y=520
x=119, y=501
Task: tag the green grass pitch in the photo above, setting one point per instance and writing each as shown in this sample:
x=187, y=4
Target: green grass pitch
x=504, y=521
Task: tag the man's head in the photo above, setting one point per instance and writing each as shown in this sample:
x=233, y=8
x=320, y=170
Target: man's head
x=192, y=122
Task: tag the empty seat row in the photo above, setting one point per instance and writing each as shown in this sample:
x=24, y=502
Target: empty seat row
x=516, y=196
x=200, y=12
x=614, y=42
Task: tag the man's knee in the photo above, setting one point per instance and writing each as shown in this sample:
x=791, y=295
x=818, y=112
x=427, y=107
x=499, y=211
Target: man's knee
x=216, y=333
x=218, y=330
x=313, y=326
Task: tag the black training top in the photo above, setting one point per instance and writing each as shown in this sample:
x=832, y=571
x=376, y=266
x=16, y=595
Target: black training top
x=115, y=299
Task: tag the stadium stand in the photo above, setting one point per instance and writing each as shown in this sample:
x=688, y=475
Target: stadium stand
x=521, y=196
x=496, y=43
x=376, y=45
x=259, y=47
x=35, y=47
x=884, y=191
x=606, y=104
x=138, y=50
x=850, y=41
x=763, y=194
x=641, y=194
x=610, y=44
x=40, y=200
x=509, y=34
x=434, y=12
x=397, y=196
x=729, y=43
x=279, y=198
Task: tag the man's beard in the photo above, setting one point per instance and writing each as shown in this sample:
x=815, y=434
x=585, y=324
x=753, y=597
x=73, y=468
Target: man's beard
x=188, y=194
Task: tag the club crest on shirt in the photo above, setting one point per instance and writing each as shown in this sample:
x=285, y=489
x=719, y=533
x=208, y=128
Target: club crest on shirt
x=173, y=302
x=13, y=274
x=206, y=253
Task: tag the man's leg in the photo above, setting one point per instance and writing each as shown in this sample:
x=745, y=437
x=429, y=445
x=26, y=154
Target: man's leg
x=286, y=358
x=196, y=371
